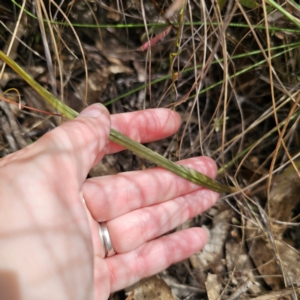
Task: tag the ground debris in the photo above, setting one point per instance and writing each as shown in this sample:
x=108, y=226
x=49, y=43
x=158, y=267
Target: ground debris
x=151, y=288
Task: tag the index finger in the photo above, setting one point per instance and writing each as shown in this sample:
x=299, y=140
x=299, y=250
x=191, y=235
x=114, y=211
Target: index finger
x=111, y=196
x=144, y=126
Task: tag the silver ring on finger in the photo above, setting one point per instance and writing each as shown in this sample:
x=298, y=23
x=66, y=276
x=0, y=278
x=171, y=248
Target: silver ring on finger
x=106, y=240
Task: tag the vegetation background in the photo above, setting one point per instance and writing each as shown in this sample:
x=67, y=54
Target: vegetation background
x=229, y=67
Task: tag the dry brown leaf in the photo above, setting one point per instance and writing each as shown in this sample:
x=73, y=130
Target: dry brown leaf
x=212, y=287
x=290, y=261
x=284, y=195
x=263, y=257
x=239, y=262
x=97, y=82
x=152, y=288
x=113, y=13
x=211, y=256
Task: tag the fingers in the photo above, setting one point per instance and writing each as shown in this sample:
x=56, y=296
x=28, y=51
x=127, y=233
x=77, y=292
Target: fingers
x=125, y=192
x=147, y=204
x=145, y=126
x=154, y=256
x=133, y=229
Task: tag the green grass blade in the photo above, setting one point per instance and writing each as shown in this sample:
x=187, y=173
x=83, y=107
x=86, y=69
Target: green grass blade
x=161, y=161
x=121, y=139
x=284, y=12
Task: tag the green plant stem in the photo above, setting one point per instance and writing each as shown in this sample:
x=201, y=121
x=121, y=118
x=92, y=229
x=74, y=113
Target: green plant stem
x=284, y=12
x=119, y=138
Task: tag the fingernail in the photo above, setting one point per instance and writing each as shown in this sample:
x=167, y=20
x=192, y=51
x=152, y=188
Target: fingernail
x=95, y=110
x=207, y=230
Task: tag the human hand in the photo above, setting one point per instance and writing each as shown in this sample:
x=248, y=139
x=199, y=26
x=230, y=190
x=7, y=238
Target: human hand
x=50, y=243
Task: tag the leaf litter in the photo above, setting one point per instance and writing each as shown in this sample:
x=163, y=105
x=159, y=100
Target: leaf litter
x=253, y=251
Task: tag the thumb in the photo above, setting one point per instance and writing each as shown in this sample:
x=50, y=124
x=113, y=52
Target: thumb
x=79, y=143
